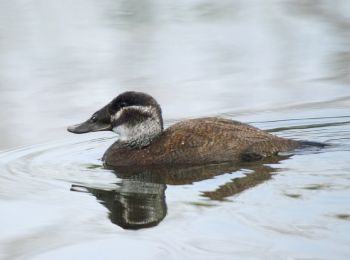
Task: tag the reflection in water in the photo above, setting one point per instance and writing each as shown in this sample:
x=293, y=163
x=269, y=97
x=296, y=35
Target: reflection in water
x=259, y=175
x=139, y=201
x=134, y=205
x=253, y=61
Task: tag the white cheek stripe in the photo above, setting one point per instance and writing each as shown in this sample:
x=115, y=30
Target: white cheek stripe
x=143, y=109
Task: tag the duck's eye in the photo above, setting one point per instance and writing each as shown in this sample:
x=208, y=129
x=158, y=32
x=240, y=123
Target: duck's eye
x=93, y=119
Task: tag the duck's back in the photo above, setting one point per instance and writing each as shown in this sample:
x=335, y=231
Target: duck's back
x=202, y=141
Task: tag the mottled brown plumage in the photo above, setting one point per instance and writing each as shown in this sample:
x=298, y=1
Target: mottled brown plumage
x=201, y=141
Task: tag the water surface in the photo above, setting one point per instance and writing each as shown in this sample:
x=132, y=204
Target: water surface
x=282, y=66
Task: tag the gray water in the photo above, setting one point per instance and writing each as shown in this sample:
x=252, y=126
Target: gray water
x=282, y=66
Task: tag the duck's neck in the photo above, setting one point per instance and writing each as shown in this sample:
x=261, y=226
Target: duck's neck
x=140, y=134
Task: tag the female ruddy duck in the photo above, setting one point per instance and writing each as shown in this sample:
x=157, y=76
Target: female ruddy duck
x=137, y=118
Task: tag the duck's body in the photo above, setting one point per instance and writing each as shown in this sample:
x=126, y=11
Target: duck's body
x=201, y=141
x=136, y=117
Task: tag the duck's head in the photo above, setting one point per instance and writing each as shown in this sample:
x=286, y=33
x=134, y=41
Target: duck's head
x=135, y=116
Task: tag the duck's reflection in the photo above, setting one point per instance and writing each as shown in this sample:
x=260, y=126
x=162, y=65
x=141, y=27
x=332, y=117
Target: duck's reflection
x=134, y=204
x=139, y=200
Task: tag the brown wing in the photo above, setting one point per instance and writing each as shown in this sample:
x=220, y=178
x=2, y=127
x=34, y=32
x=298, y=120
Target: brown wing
x=213, y=131
x=213, y=140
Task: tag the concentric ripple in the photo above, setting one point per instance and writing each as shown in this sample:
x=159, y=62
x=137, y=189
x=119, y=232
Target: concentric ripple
x=304, y=196
x=50, y=164
x=79, y=162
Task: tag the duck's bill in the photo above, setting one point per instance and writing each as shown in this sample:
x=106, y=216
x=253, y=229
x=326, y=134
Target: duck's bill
x=88, y=127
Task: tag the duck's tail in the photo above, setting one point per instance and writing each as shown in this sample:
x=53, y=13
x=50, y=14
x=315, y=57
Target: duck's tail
x=310, y=144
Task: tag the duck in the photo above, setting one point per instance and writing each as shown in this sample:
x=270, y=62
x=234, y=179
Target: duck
x=136, y=118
